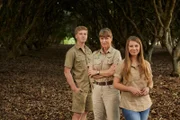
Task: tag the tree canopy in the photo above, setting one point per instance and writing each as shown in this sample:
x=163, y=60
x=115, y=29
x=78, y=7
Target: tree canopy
x=34, y=24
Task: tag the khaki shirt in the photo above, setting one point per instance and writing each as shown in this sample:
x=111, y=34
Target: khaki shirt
x=77, y=61
x=102, y=61
x=128, y=100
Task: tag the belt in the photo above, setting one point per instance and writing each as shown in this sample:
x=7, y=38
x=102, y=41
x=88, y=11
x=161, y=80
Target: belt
x=104, y=83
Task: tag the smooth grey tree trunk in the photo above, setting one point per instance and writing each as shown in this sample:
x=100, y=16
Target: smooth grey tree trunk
x=176, y=60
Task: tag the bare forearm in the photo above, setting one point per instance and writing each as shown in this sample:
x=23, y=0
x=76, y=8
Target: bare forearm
x=97, y=74
x=150, y=85
x=70, y=80
x=120, y=86
x=108, y=72
x=101, y=74
x=105, y=73
x=133, y=90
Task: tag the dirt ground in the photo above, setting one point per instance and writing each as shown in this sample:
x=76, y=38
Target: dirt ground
x=33, y=87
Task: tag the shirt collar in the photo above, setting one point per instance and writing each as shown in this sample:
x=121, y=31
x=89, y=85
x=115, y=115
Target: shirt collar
x=78, y=47
x=108, y=51
x=135, y=66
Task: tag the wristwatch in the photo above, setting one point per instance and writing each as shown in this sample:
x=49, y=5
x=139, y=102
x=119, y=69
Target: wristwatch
x=97, y=72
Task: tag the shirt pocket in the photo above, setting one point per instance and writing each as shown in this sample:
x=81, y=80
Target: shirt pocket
x=109, y=60
x=97, y=64
x=80, y=61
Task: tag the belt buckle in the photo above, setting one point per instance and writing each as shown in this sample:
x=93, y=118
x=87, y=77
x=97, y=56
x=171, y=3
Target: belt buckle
x=97, y=83
x=106, y=83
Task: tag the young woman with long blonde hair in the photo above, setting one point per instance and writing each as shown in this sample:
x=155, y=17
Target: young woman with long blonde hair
x=133, y=77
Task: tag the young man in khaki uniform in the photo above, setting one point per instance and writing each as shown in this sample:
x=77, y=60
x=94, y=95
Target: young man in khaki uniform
x=76, y=73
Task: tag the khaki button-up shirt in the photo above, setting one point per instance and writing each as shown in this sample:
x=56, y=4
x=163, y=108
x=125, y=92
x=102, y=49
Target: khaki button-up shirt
x=102, y=61
x=128, y=100
x=78, y=60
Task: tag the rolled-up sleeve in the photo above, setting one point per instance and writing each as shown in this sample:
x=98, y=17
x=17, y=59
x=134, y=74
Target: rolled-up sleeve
x=119, y=69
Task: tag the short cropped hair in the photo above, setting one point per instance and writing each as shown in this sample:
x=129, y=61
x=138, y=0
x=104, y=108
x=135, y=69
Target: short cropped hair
x=79, y=28
x=105, y=32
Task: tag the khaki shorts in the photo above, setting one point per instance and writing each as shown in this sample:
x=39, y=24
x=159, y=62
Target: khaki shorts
x=81, y=102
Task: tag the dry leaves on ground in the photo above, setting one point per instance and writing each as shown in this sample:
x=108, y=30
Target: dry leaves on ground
x=34, y=88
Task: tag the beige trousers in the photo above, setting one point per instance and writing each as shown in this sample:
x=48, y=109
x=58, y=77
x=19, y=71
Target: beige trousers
x=106, y=103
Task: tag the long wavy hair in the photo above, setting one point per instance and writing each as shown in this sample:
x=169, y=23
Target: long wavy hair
x=127, y=62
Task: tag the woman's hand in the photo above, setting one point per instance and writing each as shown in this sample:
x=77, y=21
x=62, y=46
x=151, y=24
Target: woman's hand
x=135, y=91
x=92, y=72
x=145, y=91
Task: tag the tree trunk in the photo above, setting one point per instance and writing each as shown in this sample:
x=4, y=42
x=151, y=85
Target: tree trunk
x=176, y=61
x=168, y=42
x=148, y=57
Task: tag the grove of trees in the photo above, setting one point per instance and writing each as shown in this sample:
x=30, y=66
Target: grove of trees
x=35, y=24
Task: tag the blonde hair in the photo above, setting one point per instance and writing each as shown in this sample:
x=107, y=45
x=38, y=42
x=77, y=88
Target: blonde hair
x=127, y=62
x=105, y=32
x=79, y=28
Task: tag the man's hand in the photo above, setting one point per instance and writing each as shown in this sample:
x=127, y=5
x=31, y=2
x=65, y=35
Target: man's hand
x=75, y=89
